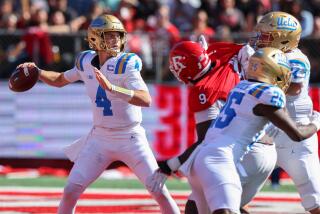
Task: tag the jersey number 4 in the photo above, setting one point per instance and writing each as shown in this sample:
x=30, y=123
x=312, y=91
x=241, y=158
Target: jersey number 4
x=103, y=102
x=228, y=113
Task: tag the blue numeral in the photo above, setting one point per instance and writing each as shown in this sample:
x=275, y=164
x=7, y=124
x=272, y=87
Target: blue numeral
x=228, y=113
x=103, y=102
x=277, y=99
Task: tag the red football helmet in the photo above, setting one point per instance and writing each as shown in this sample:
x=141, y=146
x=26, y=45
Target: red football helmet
x=188, y=61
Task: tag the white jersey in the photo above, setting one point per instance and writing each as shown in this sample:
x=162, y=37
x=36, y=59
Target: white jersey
x=237, y=120
x=299, y=107
x=110, y=111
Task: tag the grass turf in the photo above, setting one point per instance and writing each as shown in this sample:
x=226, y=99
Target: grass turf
x=173, y=184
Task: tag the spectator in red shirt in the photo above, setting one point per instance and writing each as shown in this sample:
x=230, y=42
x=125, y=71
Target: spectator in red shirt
x=200, y=27
x=231, y=16
x=164, y=36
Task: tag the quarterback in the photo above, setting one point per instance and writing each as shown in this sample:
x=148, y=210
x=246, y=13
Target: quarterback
x=300, y=160
x=117, y=93
x=260, y=98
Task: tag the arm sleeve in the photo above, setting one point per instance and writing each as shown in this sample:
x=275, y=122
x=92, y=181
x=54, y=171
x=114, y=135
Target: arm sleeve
x=273, y=96
x=210, y=113
x=72, y=75
x=134, y=80
x=300, y=69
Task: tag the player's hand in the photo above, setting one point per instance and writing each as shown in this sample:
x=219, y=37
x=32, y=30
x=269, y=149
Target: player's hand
x=243, y=57
x=169, y=166
x=164, y=167
x=156, y=181
x=29, y=65
x=315, y=119
x=203, y=42
x=103, y=81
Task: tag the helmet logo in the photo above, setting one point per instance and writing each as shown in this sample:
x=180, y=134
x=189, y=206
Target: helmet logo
x=176, y=65
x=98, y=23
x=285, y=23
x=282, y=60
x=255, y=66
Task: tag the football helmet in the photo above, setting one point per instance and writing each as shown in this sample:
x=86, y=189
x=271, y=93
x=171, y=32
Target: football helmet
x=96, y=33
x=270, y=65
x=278, y=30
x=188, y=61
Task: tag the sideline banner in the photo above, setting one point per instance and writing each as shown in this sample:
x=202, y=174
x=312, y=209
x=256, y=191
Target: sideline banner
x=40, y=122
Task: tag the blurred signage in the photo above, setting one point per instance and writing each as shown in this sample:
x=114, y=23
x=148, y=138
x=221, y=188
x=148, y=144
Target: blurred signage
x=40, y=122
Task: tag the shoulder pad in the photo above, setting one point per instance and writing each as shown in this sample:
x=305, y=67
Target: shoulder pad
x=80, y=59
x=128, y=62
x=269, y=95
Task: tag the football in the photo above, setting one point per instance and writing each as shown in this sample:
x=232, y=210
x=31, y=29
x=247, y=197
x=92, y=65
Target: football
x=23, y=78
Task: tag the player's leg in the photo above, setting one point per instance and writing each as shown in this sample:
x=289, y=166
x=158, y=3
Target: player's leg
x=255, y=168
x=196, y=201
x=191, y=206
x=218, y=177
x=143, y=163
x=301, y=162
x=91, y=162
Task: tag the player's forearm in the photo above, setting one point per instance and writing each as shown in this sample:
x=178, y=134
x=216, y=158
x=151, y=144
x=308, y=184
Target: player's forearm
x=173, y=164
x=304, y=132
x=141, y=98
x=186, y=154
x=53, y=78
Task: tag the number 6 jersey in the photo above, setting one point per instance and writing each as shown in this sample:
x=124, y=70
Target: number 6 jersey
x=110, y=111
x=237, y=120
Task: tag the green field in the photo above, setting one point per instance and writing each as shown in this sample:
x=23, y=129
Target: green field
x=173, y=184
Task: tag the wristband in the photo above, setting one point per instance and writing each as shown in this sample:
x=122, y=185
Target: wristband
x=123, y=93
x=174, y=164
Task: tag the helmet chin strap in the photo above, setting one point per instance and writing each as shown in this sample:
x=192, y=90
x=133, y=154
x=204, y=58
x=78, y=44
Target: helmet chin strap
x=203, y=72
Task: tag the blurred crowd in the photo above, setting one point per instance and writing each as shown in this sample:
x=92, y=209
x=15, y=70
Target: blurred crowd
x=163, y=21
x=191, y=17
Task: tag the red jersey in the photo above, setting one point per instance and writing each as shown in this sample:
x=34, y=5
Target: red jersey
x=219, y=81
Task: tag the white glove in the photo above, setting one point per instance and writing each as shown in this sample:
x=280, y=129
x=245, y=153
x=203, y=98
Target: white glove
x=156, y=181
x=315, y=119
x=203, y=42
x=243, y=58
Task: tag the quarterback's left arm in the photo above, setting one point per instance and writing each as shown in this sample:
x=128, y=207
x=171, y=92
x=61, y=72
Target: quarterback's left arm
x=134, y=82
x=135, y=91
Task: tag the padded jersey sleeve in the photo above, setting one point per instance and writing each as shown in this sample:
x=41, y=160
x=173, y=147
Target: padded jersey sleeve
x=300, y=66
x=300, y=70
x=133, y=79
x=269, y=95
x=210, y=113
x=73, y=74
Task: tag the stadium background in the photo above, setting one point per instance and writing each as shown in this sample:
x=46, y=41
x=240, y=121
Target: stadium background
x=37, y=124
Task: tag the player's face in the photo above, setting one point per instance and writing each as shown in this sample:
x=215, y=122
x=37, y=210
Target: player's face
x=113, y=40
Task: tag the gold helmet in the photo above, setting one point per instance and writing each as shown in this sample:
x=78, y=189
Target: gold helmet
x=269, y=65
x=278, y=30
x=97, y=29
